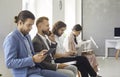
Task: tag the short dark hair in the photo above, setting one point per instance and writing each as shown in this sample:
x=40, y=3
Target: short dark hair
x=23, y=15
x=77, y=27
x=41, y=20
x=57, y=26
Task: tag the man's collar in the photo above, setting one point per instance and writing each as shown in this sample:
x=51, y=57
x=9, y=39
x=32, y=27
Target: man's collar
x=21, y=34
x=43, y=37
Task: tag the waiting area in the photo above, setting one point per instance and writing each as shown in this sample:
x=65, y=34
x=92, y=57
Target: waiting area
x=60, y=38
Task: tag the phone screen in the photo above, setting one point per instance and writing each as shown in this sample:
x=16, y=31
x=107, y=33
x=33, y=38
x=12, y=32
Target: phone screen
x=50, y=51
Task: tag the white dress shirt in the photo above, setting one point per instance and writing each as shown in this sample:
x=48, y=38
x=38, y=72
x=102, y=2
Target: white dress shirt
x=59, y=48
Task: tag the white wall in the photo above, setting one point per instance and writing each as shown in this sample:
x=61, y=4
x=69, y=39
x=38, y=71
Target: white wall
x=39, y=8
x=78, y=13
x=57, y=13
x=43, y=8
x=70, y=14
x=78, y=16
x=8, y=9
x=99, y=19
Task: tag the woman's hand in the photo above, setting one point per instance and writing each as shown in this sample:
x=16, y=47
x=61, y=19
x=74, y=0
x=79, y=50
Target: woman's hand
x=72, y=53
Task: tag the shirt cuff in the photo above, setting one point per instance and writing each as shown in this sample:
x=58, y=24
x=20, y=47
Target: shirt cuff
x=56, y=66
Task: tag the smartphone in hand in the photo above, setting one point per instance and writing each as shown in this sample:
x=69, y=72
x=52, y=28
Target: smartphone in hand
x=50, y=51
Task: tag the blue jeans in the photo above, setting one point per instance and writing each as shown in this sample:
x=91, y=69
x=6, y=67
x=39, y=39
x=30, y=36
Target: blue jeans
x=36, y=72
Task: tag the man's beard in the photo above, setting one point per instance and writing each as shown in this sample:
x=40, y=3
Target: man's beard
x=24, y=32
x=45, y=32
x=59, y=34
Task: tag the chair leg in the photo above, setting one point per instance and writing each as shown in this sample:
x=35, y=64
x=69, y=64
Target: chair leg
x=117, y=54
x=79, y=74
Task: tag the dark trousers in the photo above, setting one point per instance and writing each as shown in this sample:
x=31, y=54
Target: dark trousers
x=82, y=64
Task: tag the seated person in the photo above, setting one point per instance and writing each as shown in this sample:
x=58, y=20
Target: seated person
x=71, y=44
x=62, y=55
x=40, y=43
x=19, y=53
x=51, y=38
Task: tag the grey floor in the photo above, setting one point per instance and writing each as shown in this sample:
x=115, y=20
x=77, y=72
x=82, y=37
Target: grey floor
x=108, y=67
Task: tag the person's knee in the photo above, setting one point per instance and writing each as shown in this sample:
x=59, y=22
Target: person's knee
x=74, y=68
x=71, y=73
x=67, y=72
x=49, y=73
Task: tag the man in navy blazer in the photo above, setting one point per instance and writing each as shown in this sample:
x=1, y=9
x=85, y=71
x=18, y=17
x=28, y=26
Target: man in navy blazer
x=19, y=53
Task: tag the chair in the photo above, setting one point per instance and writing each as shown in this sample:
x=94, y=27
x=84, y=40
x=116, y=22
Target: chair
x=117, y=54
x=79, y=74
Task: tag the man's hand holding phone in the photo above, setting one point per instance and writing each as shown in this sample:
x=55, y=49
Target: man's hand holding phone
x=50, y=51
x=39, y=57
